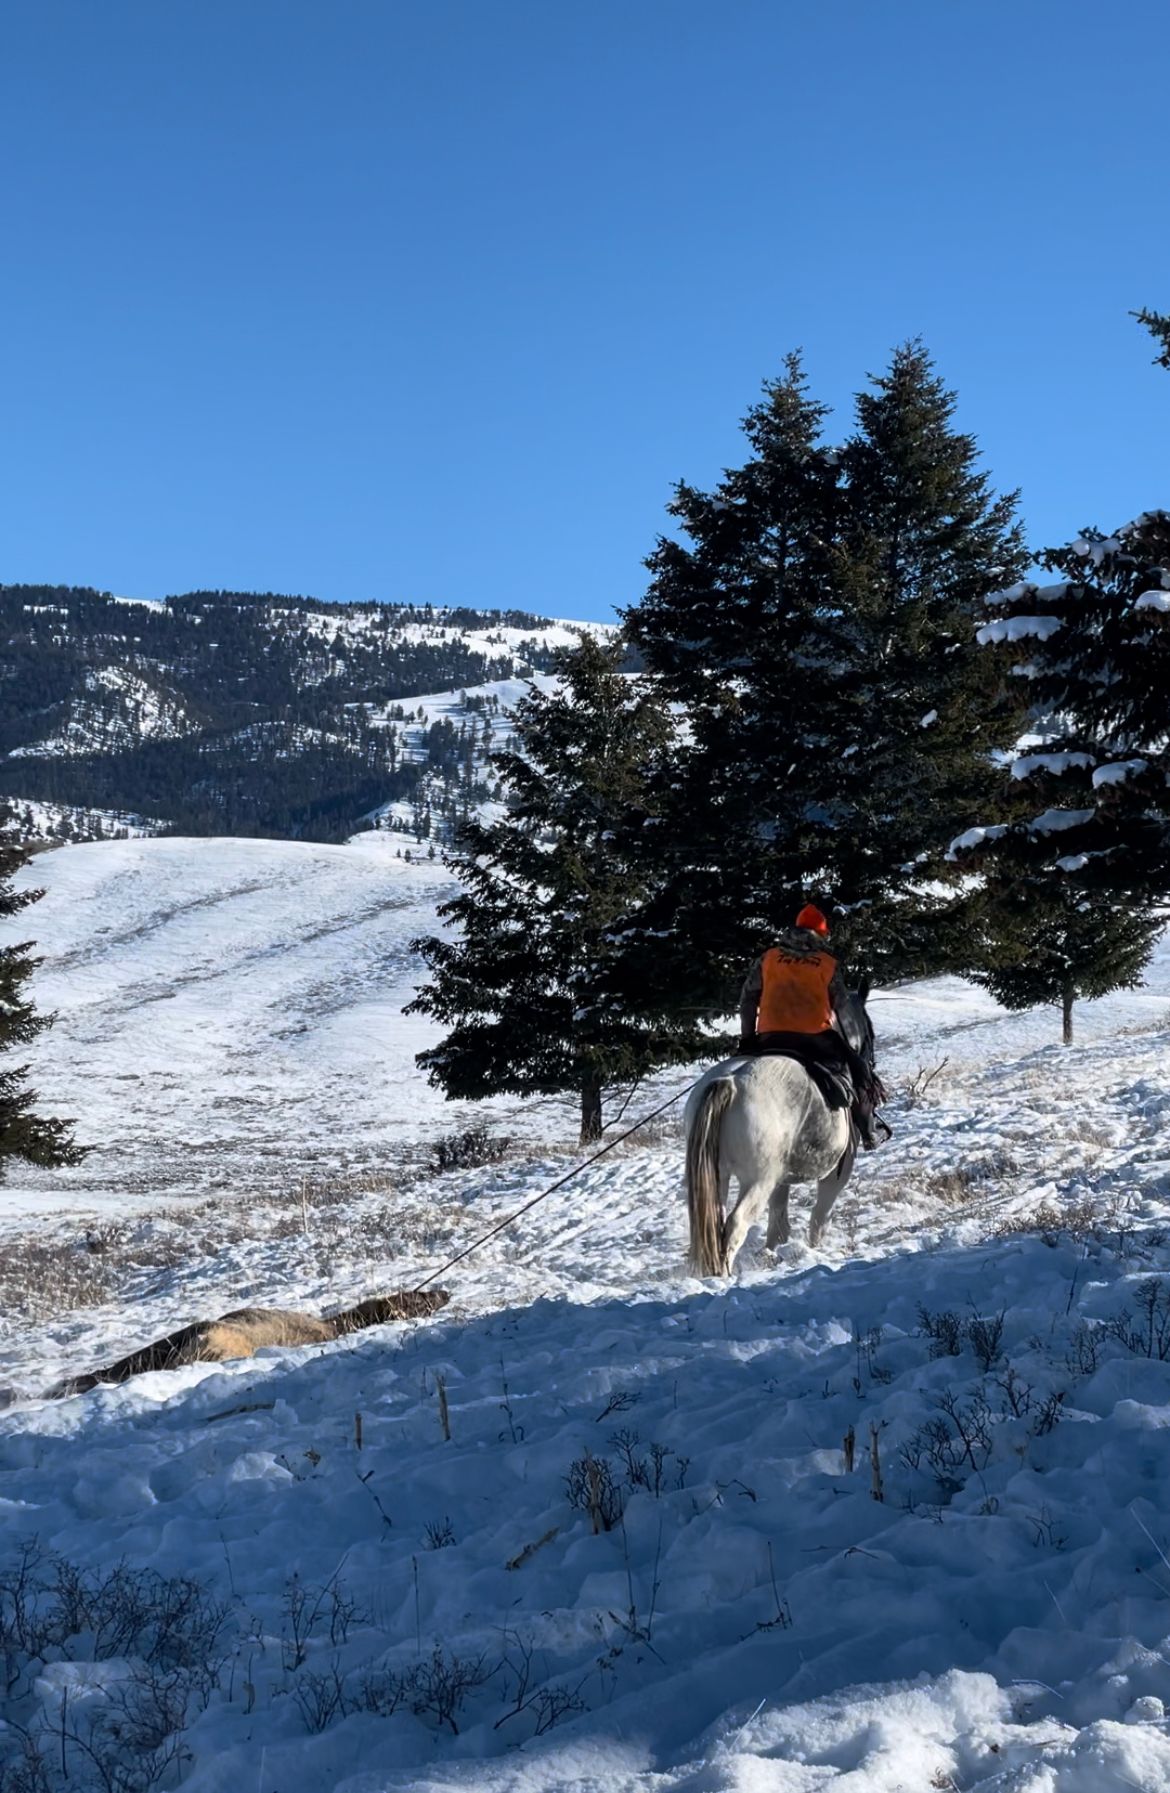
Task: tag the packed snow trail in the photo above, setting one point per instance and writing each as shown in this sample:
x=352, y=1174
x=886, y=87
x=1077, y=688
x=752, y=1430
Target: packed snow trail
x=755, y=1619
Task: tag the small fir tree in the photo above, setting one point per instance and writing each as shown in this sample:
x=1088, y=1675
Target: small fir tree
x=1036, y=936
x=23, y=1133
x=544, y=892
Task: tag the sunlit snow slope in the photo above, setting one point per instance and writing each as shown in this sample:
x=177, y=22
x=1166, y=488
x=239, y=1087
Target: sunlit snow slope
x=229, y=1034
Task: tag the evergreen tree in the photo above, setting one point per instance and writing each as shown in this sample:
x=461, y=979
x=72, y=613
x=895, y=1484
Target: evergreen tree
x=817, y=629
x=1036, y=936
x=1082, y=869
x=544, y=892
x=1158, y=324
x=23, y=1133
x=1093, y=651
x=734, y=630
x=923, y=539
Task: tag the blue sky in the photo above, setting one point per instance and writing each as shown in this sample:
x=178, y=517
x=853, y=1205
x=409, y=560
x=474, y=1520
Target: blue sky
x=435, y=301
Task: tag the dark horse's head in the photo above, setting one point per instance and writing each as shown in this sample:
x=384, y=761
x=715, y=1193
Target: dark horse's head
x=856, y=1024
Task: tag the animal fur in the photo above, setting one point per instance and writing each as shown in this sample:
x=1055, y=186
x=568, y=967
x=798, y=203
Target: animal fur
x=248, y=1329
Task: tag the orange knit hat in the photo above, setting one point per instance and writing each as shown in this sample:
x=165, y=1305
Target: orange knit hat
x=811, y=917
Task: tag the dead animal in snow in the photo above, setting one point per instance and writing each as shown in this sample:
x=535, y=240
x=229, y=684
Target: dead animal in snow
x=249, y=1329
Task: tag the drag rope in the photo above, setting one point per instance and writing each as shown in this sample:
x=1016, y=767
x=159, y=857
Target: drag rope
x=553, y=1187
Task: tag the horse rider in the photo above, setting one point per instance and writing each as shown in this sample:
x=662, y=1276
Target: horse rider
x=793, y=999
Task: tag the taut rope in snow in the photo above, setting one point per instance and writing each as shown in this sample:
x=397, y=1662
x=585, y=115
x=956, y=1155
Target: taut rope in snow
x=553, y=1187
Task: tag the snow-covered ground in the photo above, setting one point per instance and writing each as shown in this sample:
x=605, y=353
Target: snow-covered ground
x=416, y=1611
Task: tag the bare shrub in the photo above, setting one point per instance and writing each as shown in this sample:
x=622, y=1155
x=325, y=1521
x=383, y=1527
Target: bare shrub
x=963, y=1182
x=382, y=1693
x=1048, y=1413
x=1147, y=1332
x=1078, y=1221
x=1017, y=1394
x=984, y=1334
x=437, y=1688
x=916, y=1088
x=620, y=1401
x=469, y=1150
x=956, y=1442
x=650, y=1471
x=1045, y=1532
x=440, y=1534
x=55, y=1610
x=104, y=1238
x=544, y=1705
x=944, y=1330
x=38, y=1281
x=322, y=1698
x=1084, y=1353
x=312, y=1611
x=591, y=1488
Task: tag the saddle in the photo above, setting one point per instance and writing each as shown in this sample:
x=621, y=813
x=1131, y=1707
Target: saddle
x=827, y=1061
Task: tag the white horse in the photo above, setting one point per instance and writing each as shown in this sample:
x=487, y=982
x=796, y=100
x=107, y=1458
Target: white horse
x=764, y=1122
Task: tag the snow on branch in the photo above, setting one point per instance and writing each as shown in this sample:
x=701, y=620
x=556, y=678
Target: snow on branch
x=1054, y=821
x=1018, y=628
x=1049, y=762
x=1118, y=771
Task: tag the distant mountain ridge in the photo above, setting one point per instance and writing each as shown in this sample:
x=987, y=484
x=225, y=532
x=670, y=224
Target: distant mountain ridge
x=249, y=713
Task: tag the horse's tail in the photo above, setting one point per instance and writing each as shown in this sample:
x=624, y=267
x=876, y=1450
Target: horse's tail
x=703, y=1203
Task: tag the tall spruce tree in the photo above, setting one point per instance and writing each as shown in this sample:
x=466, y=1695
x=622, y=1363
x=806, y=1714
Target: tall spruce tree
x=817, y=629
x=923, y=539
x=1078, y=881
x=736, y=632
x=1092, y=649
x=23, y=1133
x=544, y=893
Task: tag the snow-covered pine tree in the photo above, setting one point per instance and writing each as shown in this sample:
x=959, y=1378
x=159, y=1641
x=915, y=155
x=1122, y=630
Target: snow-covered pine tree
x=545, y=888
x=1093, y=652
x=23, y=1133
x=734, y=631
x=1083, y=865
x=818, y=632
x=1046, y=943
x=1036, y=936
x=922, y=539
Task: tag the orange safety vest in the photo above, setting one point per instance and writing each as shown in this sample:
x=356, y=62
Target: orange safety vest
x=795, y=993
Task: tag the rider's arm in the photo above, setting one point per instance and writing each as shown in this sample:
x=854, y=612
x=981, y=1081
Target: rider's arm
x=749, y=1001
x=838, y=996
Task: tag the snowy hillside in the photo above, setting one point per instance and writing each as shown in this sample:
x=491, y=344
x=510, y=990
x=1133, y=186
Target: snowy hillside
x=642, y=1560
x=253, y=714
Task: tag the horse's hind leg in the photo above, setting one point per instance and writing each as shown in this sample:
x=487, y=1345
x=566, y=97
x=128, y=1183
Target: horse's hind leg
x=828, y=1189
x=747, y=1211
x=778, y=1216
